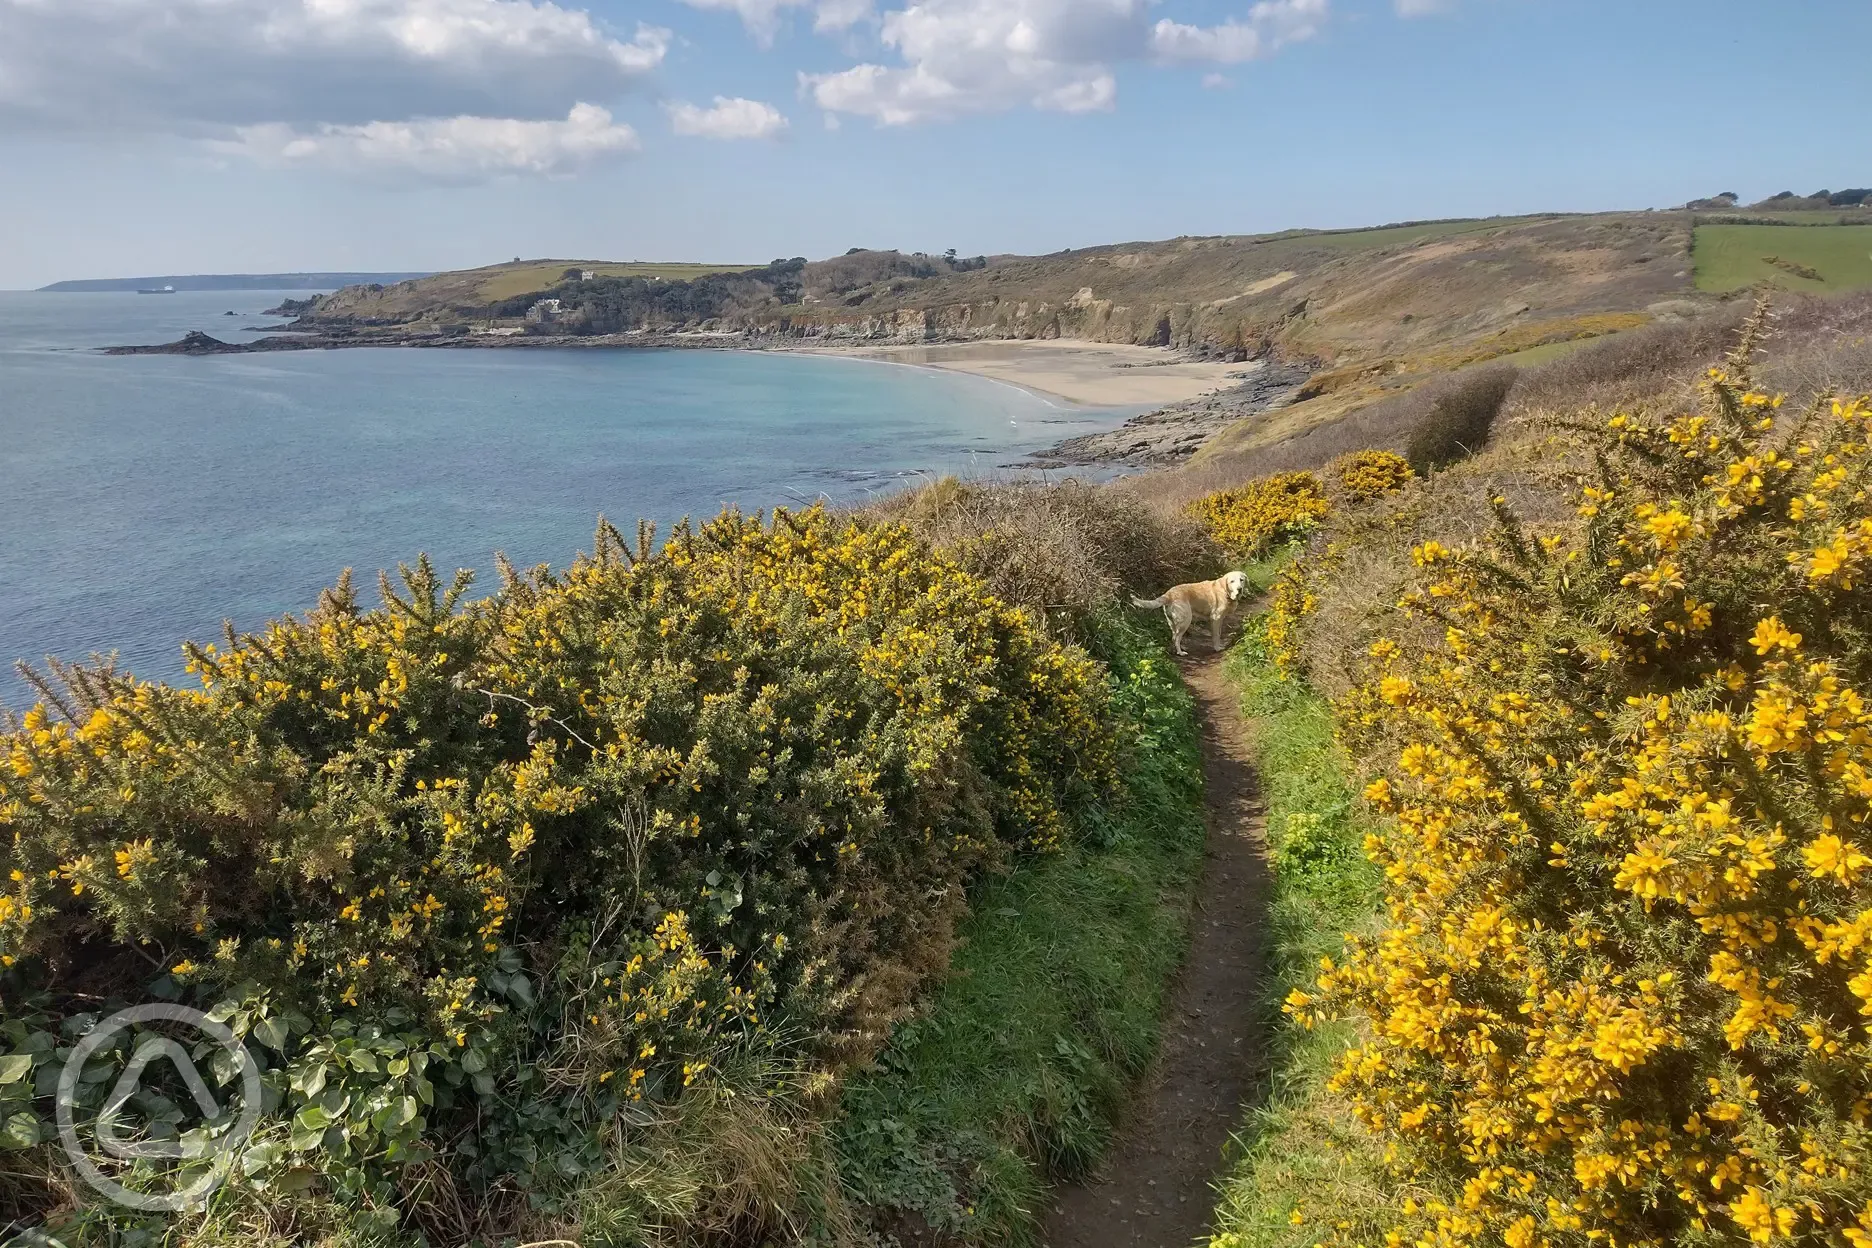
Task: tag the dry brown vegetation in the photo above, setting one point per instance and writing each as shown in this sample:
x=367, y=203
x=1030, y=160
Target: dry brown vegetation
x=1397, y=300
x=1064, y=550
x=1814, y=345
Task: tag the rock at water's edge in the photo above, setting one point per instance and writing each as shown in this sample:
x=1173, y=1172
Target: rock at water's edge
x=192, y=343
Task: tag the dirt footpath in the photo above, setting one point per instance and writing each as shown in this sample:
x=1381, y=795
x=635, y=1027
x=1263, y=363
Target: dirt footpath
x=1154, y=1189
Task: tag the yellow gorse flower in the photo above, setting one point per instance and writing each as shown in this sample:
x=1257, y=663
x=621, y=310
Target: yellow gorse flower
x=1623, y=993
x=1247, y=520
x=756, y=767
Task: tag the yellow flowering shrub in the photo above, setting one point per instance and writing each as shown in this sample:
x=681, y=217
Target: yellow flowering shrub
x=595, y=831
x=1246, y=521
x=1365, y=475
x=1292, y=599
x=1624, y=992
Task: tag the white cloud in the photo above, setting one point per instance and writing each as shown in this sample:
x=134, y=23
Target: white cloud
x=1271, y=25
x=1217, y=82
x=442, y=150
x=762, y=17
x=729, y=119
x=963, y=57
x=111, y=65
x=1423, y=8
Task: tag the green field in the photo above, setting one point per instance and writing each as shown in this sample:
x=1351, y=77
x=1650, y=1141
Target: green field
x=1547, y=353
x=1391, y=235
x=1811, y=258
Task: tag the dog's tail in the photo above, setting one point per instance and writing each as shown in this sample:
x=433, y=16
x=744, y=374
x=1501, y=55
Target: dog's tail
x=1147, y=604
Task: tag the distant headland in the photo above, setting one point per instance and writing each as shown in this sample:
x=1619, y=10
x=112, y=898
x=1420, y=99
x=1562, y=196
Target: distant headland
x=1226, y=331
x=227, y=281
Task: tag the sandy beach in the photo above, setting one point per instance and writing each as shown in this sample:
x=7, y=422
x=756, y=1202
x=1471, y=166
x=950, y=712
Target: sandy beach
x=1096, y=374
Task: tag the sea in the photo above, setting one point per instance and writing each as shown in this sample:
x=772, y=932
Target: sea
x=147, y=499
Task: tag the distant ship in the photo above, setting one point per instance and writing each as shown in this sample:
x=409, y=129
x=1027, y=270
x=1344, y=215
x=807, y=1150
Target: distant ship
x=164, y=290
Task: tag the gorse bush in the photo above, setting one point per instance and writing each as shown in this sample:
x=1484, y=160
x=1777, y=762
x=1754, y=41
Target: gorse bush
x=1246, y=521
x=1624, y=990
x=1365, y=475
x=1460, y=419
x=475, y=880
x=1020, y=1067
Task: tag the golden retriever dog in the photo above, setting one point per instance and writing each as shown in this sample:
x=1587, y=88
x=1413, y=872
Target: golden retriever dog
x=1182, y=605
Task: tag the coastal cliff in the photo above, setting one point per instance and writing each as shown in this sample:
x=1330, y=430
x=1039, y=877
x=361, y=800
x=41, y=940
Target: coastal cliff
x=1329, y=298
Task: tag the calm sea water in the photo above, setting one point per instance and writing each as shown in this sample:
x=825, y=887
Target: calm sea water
x=143, y=500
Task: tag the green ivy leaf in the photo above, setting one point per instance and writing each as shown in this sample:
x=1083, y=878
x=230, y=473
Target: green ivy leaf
x=273, y=1033
x=20, y=1131
x=263, y=1156
x=15, y=1067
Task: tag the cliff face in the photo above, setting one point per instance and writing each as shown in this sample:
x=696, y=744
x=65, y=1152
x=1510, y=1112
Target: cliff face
x=1333, y=298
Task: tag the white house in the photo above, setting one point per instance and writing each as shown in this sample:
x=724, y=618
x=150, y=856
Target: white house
x=544, y=310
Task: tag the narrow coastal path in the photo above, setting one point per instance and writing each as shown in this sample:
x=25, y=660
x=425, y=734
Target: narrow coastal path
x=1154, y=1189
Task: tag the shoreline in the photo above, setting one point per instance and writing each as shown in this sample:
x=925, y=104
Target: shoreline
x=1179, y=401
x=1058, y=402
x=1075, y=372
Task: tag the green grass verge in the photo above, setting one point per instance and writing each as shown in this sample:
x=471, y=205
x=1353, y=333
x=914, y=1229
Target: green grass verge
x=1534, y=357
x=1301, y=1153
x=1015, y=1072
x=1798, y=257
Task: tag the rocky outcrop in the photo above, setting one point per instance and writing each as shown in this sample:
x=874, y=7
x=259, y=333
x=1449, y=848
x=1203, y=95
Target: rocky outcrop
x=1172, y=434
x=192, y=343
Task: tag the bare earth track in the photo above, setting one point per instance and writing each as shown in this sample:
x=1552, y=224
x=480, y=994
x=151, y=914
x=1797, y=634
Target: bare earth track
x=1154, y=1189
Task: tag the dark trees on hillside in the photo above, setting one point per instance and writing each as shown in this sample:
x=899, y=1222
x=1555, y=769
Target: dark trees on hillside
x=612, y=305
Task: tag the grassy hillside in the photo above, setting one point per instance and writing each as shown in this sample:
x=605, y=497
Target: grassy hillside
x=468, y=288
x=1390, y=299
x=1811, y=258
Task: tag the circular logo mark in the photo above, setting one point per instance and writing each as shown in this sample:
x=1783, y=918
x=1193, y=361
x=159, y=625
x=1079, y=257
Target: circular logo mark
x=220, y=1151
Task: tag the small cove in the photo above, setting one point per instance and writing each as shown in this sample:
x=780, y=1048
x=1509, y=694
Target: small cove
x=144, y=500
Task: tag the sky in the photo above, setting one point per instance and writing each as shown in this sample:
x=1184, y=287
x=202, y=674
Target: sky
x=146, y=137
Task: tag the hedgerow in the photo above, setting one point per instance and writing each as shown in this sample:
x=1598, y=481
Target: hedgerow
x=1624, y=989
x=1461, y=418
x=493, y=889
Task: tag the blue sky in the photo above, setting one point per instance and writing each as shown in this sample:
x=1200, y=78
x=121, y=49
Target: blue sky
x=156, y=136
